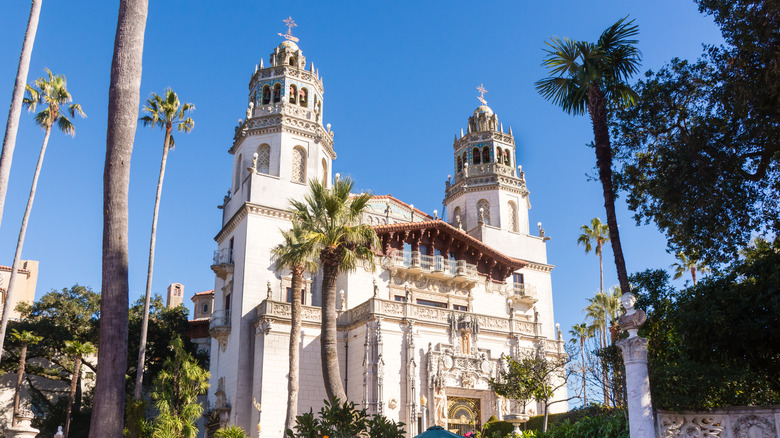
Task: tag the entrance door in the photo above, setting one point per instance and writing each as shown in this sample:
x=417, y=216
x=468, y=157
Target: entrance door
x=463, y=414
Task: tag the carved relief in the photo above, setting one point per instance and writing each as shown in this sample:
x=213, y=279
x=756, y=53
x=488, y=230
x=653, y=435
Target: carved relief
x=753, y=426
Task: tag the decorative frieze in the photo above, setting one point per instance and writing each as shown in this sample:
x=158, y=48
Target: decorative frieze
x=737, y=422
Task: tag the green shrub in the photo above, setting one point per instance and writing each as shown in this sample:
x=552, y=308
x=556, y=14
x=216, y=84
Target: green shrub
x=537, y=423
x=611, y=425
x=230, y=432
x=503, y=428
x=344, y=420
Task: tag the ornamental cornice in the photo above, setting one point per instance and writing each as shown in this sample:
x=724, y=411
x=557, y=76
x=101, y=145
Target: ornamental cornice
x=283, y=123
x=253, y=209
x=456, y=191
x=482, y=136
x=541, y=267
x=287, y=72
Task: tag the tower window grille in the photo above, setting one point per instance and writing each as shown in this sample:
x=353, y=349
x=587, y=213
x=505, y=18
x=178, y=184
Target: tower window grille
x=264, y=159
x=484, y=205
x=512, y=213
x=299, y=165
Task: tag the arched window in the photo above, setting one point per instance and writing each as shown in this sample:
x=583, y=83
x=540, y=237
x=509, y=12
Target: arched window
x=304, y=97
x=293, y=93
x=507, y=160
x=465, y=158
x=460, y=164
x=266, y=94
x=237, y=174
x=499, y=154
x=475, y=156
x=486, y=154
x=324, y=173
x=263, y=159
x=292, y=60
x=277, y=92
x=512, y=215
x=298, y=165
x=484, y=214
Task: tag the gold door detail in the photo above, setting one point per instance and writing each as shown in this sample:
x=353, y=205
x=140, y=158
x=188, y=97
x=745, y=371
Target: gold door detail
x=463, y=414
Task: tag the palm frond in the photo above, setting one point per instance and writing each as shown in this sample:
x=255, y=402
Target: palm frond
x=66, y=126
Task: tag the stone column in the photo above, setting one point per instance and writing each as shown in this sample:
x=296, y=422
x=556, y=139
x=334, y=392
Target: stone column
x=640, y=407
x=634, y=348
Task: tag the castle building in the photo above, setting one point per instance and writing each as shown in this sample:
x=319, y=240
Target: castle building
x=419, y=336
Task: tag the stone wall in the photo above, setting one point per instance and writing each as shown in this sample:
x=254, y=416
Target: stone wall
x=739, y=422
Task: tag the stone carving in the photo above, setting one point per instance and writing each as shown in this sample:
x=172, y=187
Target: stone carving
x=633, y=318
x=249, y=110
x=221, y=401
x=270, y=292
x=440, y=407
x=753, y=426
x=376, y=288
x=392, y=404
x=60, y=433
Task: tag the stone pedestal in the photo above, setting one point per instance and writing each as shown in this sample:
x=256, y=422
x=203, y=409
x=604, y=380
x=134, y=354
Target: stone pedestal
x=22, y=428
x=640, y=407
x=516, y=420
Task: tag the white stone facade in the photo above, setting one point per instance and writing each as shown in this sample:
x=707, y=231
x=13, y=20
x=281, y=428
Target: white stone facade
x=434, y=318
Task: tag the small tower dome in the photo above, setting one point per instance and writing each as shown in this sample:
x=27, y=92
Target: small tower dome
x=288, y=45
x=483, y=109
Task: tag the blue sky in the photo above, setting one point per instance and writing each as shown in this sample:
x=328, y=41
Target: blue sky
x=399, y=80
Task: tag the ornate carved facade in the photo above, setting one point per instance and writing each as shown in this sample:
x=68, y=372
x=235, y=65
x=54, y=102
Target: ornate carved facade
x=419, y=336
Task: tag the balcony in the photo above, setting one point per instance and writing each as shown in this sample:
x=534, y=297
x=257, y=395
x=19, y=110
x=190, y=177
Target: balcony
x=523, y=293
x=223, y=262
x=219, y=327
x=412, y=262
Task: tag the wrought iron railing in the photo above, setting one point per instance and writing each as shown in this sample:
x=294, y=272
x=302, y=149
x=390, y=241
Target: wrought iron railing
x=223, y=256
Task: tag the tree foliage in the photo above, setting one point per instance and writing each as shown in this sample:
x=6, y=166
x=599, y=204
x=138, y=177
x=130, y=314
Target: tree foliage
x=343, y=420
x=715, y=344
x=177, y=387
x=700, y=152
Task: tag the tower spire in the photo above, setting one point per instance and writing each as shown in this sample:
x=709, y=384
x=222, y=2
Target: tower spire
x=482, y=92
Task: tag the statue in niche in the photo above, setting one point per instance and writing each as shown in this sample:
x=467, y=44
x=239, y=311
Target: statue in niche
x=457, y=221
x=376, y=289
x=465, y=342
x=270, y=292
x=440, y=407
x=60, y=433
x=633, y=318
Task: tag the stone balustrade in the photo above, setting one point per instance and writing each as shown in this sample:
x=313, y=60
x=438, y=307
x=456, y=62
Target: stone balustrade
x=738, y=422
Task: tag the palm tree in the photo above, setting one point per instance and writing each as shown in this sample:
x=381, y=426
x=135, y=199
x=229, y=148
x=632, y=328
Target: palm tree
x=24, y=338
x=12, y=126
x=51, y=92
x=688, y=264
x=597, y=233
x=76, y=350
x=166, y=112
x=330, y=218
x=581, y=332
x=295, y=253
x=123, y=98
x=591, y=77
x=602, y=311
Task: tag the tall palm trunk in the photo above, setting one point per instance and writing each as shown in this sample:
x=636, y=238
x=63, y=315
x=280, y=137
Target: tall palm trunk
x=584, y=386
x=72, y=395
x=331, y=374
x=139, y=375
x=19, y=377
x=123, y=100
x=20, y=243
x=598, y=115
x=295, y=340
x=12, y=126
x=693, y=274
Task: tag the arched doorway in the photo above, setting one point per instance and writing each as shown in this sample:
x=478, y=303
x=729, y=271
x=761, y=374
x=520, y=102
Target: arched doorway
x=463, y=414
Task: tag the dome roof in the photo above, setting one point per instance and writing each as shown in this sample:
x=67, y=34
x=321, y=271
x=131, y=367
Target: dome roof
x=288, y=45
x=483, y=109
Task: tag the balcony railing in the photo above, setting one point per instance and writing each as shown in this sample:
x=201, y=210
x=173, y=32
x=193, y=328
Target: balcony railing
x=220, y=319
x=223, y=256
x=433, y=264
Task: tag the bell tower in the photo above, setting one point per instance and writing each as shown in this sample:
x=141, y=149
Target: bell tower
x=488, y=188
x=278, y=146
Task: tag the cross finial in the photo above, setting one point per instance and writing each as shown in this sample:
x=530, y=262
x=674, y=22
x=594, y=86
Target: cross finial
x=482, y=92
x=290, y=24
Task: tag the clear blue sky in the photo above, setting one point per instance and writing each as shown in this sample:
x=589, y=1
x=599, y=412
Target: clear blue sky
x=400, y=81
